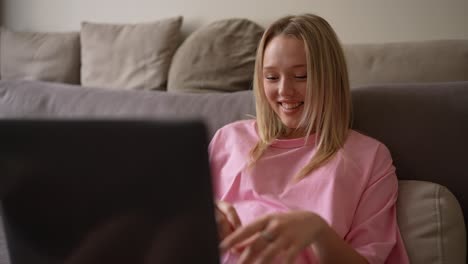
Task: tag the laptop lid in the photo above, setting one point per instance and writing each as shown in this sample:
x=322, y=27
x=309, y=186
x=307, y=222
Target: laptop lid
x=106, y=191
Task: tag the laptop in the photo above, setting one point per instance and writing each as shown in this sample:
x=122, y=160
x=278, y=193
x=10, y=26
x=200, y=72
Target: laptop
x=106, y=191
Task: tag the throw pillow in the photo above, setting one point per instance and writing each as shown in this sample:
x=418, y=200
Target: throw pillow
x=42, y=56
x=217, y=57
x=130, y=56
x=407, y=62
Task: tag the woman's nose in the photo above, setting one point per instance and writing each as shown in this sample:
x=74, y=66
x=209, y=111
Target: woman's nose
x=285, y=87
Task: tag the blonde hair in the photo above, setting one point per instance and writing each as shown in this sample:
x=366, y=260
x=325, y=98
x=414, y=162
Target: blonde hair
x=327, y=106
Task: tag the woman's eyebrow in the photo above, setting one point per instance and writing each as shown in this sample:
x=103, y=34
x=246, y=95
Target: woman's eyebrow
x=299, y=66
x=294, y=66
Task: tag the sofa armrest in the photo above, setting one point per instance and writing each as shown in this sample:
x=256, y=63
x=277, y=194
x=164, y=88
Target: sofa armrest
x=431, y=223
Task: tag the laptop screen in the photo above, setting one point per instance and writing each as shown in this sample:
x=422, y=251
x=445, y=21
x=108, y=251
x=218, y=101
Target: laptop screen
x=106, y=191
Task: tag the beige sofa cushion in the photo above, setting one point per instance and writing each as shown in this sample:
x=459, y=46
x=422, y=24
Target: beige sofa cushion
x=131, y=56
x=217, y=57
x=431, y=223
x=40, y=56
x=419, y=61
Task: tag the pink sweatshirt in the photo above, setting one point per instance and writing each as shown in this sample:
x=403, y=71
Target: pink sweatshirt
x=355, y=192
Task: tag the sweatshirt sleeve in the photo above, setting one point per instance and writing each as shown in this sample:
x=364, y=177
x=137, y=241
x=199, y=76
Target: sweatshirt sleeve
x=217, y=157
x=374, y=232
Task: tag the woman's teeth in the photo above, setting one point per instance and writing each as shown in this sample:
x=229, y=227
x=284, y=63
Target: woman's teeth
x=289, y=106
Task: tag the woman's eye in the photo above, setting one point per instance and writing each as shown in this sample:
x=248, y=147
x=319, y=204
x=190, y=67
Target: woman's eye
x=301, y=77
x=271, y=78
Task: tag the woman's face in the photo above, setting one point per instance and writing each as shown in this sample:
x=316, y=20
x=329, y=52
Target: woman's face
x=285, y=78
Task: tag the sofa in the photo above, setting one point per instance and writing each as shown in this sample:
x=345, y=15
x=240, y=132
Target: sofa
x=411, y=96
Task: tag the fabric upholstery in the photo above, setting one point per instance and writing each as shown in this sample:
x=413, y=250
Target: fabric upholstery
x=424, y=126
x=418, y=61
x=431, y=223
x=217, y=57
x=40, y=56
x=41, y=99
x=133, y=56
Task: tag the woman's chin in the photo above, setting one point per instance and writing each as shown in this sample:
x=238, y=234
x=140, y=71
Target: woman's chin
x=290, y=125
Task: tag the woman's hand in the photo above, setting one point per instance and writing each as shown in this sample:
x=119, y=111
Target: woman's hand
x=285, y=234
x=227, y=219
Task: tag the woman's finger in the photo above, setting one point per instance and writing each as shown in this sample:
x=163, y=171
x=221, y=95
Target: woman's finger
x=253, y=250
x=244, y=244
x=224, y=226
x=230, y=212
x=291, y=254
x=243, y=233
x=273, y=249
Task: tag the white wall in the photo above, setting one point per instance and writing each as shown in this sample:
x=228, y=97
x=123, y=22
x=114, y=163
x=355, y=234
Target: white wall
x=356, y=21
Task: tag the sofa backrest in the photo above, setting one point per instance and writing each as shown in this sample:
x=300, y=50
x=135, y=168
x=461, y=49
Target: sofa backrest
x=44, y=99
x=425, y=126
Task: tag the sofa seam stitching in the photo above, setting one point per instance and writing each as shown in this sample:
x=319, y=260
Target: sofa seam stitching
x=439, y=224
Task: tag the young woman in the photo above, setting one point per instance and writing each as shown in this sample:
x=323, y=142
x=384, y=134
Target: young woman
x=297, y=185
